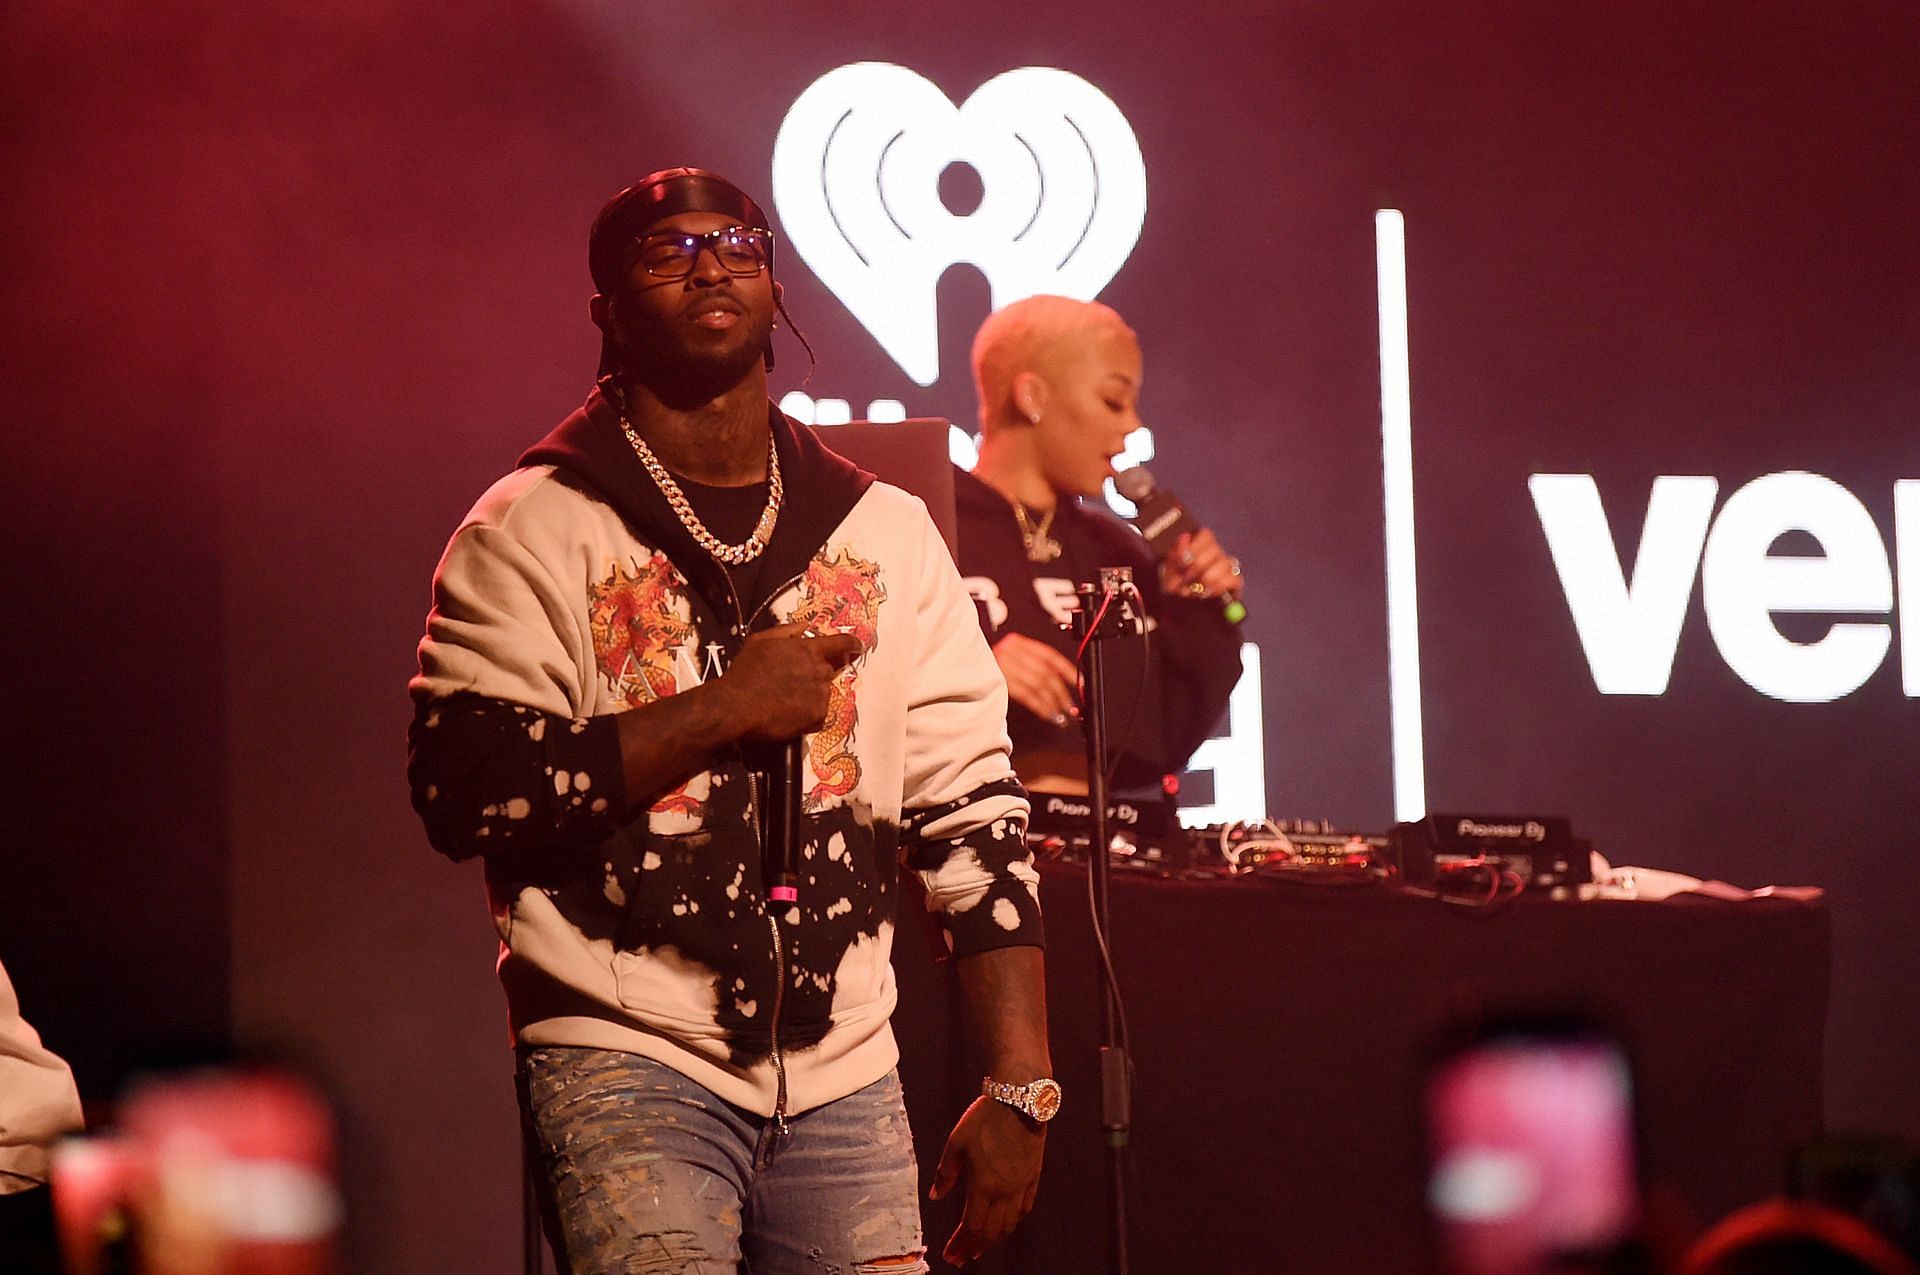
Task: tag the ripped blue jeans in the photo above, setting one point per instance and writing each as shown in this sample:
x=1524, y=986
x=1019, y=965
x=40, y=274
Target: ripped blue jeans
x=645, y=1171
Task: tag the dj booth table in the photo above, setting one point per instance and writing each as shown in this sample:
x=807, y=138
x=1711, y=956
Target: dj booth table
x=1278, y=1030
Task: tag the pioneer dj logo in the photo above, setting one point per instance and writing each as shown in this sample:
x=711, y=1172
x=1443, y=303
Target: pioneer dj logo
x=856, y=179
x=1530, y=830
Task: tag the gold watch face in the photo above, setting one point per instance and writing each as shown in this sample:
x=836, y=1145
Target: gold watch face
x=1046, y=1100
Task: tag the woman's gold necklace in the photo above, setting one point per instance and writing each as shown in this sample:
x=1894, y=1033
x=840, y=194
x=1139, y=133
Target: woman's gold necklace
x=1040, y=546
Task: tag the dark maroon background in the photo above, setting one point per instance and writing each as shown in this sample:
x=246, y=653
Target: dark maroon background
x=288, y=284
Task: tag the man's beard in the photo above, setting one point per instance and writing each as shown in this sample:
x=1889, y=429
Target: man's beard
x=684, y=376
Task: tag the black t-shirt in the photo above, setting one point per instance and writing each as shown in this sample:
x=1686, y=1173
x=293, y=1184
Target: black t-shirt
x=1164, y=695
x=731, y=514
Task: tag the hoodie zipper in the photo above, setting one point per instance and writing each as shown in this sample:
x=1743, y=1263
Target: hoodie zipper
x=780, y=1130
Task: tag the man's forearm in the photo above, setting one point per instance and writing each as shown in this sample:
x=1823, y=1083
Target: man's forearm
x=668, y=741
x=486, y=773
x=1006, y=994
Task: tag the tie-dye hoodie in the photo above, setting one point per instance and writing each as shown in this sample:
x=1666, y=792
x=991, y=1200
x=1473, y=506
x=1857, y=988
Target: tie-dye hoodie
x=571, y=593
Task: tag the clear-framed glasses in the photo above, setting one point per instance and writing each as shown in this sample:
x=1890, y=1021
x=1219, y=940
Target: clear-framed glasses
x=671, y=254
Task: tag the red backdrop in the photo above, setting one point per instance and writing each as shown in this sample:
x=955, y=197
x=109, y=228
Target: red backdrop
x=289, y=284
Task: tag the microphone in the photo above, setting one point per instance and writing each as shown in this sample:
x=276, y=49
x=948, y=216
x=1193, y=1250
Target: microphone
x=784, y=780
x=1162, y=519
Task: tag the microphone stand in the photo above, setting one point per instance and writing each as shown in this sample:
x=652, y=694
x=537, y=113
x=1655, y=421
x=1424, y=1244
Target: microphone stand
x=1103, y=613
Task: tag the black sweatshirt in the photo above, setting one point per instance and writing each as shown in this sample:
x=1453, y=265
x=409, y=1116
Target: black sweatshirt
x=1165, y=695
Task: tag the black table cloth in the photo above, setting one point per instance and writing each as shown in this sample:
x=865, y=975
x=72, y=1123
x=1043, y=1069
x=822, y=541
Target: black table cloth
x=1278, y=1032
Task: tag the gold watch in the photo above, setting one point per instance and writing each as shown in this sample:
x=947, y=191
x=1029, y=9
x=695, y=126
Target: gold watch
x=1038, y=1100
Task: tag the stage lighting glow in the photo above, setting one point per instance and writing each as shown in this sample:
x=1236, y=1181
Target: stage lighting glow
x=856, y=169
x=1403, y=602
x=1906, y=551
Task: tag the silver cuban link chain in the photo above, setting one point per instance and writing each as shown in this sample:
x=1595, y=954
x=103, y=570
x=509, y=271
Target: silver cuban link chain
x=733, y=555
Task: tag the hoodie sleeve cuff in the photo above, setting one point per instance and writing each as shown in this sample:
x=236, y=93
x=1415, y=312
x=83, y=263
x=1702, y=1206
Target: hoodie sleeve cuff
x=979, y=875
x=501, y=780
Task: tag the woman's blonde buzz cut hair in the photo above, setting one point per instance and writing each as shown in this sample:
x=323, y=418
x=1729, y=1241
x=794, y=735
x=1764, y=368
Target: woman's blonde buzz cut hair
x=1035, y=334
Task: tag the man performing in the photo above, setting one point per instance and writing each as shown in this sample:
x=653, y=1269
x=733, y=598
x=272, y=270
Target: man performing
x=1059, y=385
x=675, y=583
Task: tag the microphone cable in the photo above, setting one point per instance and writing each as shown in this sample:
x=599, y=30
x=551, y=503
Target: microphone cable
x=1108, y=975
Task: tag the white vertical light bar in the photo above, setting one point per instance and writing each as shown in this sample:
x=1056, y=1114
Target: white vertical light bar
x=1906, y=555
x=1396, y=430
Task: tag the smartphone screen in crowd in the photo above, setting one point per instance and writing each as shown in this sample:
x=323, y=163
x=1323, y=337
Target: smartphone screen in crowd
x=1531, y=1150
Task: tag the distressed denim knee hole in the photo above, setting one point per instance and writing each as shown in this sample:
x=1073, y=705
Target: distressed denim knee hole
x=670, y=1253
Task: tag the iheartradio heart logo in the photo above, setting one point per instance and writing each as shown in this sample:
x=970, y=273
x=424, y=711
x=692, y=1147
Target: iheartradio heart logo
x=856, y=180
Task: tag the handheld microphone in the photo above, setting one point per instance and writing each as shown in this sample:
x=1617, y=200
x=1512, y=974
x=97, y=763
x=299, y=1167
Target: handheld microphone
x=1162, y=519
x=783, y=824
